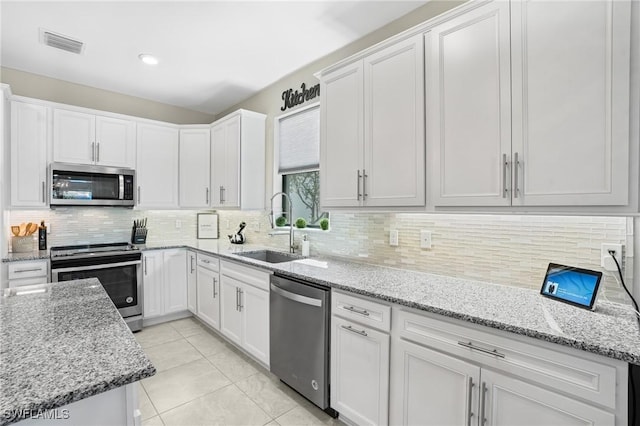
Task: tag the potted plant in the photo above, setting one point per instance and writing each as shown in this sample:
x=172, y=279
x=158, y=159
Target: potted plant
x=301, y=223
x=281, y=221
x=324, y=224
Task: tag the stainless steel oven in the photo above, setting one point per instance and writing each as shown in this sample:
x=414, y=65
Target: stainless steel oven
x=117, y=266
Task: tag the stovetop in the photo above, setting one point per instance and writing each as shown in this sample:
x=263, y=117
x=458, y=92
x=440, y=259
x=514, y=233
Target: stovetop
x=92, y=250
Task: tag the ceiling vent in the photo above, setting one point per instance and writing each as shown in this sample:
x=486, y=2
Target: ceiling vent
x=59, y=41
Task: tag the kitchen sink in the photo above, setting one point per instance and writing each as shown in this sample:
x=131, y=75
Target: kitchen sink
x=270, y=256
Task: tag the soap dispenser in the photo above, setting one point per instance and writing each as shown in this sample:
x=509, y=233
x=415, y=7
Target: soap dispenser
x=305, y=246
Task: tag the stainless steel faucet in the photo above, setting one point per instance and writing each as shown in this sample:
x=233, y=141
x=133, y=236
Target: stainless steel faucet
x=289, y=215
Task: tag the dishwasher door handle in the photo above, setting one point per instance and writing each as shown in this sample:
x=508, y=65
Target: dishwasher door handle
x=296, y=297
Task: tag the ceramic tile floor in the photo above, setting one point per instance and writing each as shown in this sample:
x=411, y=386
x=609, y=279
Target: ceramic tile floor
x=202, y=380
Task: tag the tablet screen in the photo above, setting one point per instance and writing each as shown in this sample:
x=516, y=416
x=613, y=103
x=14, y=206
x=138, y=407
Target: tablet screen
x=572, y=285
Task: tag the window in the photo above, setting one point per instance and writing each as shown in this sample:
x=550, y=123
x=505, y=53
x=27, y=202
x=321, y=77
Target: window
x=298, y=161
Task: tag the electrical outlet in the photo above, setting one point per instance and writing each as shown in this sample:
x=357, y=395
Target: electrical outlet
x=425, y=239
x=605, y=258
x=393, y=237
x=178, y=224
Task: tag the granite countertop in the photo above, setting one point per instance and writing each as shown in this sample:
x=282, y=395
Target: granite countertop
x=31, y=255
x=63, y=344
x=611, y=330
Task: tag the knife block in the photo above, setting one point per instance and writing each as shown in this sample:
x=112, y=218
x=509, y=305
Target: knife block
x=138, y=235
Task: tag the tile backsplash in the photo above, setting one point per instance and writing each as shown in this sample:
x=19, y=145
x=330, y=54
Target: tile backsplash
x=505, y=249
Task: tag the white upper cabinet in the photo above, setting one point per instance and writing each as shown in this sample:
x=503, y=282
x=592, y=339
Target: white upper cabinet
x=571, y=102
x=195, y=167
x=157, y=166
x=469, y=107
x=529, y=105
x=341, y=137
x=372, y=130
x=394, y=158
x=29, y=141
x=238, y=161
x=84, y=138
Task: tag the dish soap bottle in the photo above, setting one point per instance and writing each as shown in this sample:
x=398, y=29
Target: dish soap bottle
x=305, y=246
x=42, y=236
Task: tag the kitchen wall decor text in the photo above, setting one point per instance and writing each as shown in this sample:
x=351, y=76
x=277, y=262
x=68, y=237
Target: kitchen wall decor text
x=292, y=98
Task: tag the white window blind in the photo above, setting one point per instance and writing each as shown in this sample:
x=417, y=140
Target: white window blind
x=299, y=137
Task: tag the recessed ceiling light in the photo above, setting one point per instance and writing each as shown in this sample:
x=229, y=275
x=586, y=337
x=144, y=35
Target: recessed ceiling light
x=148, y=59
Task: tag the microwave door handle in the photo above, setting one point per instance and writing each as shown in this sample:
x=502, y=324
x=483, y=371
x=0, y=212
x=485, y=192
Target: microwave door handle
x=91, y=267
x=121, y=187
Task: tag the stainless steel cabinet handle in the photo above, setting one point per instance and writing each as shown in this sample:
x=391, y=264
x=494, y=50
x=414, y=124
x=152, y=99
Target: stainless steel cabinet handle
x=470, y=345
x=483, y=397
x=469, y=398
x=138, y=194
x=349, y=328
x=357, y=311
x=98, y=152
x=214, y=288
x=221, y=195
x=93, y=151
x=192, y=259
x=224, y=194
x=359, y=176
x=207, y=201
x=237, y=299
x=364, y=184
x=43, y=191
x=505, y=165
x=145, y=266
x=19, y=271
x=206, y=261
x=516, y=166
x=241, y=305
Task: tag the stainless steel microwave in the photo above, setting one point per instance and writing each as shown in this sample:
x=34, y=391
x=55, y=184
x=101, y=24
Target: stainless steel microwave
x=90, y=185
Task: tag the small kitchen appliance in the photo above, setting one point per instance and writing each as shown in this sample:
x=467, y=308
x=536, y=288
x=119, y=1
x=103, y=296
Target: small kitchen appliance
x=568, y=284
x=238, y=238
x=118, y=266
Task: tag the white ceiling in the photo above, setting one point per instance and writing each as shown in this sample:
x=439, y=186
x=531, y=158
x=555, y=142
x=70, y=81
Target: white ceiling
x=213, y=54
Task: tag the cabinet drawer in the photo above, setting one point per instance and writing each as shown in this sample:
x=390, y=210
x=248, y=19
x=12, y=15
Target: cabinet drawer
x=19, y=270
x=208, y=262
x=361, y=310
x=252, y=276
x=28, y=281
x=563, y=369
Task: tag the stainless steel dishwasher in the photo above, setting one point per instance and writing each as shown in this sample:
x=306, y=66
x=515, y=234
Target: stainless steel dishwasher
x=299, y=332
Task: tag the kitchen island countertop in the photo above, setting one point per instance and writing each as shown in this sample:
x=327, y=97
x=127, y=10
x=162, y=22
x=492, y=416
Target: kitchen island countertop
x=61, y=343
x=611, y=330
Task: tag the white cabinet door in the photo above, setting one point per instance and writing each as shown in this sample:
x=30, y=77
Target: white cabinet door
x=359, y=372
x=153, y=286
x=571, y=101
x=175, y=280
x=74, y=136
x=432, y=388
x=508, y=401
x=225, y=161
x=394, y=147
x=230, y=315
x=341, y=137
x=192, y=283
x=115, y=142
x=209, y=297
x=254, y=306
x=195, y=167
x=29, y=135
x=469, y=112
x=157, y=166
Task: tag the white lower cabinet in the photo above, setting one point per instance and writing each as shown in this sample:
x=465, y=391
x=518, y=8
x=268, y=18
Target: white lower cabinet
x=359, y=360
x=244, y=308
x=447, y=374
x=208, y=285
x=26, y=273
x=164, y=282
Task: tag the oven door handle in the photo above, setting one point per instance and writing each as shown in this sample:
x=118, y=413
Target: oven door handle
x=90, y=267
